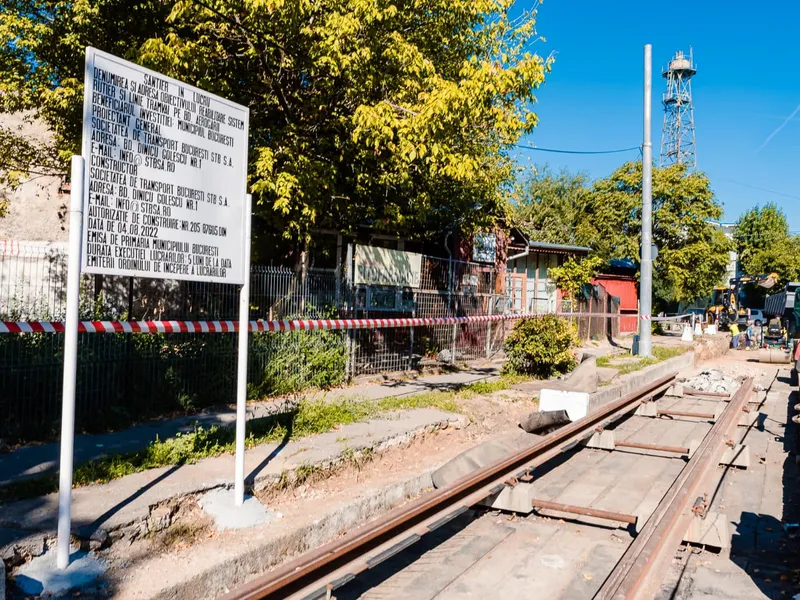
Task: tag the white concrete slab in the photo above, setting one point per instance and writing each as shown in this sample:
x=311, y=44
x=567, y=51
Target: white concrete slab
x=575, y=403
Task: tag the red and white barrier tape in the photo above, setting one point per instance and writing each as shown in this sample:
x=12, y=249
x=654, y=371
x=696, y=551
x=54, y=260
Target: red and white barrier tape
x=265, y=326
x=672, y=318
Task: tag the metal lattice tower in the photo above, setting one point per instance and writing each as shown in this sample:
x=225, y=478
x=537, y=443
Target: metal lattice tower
x=677, y=136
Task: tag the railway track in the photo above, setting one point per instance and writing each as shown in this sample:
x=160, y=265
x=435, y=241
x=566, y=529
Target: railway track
x=317, y=574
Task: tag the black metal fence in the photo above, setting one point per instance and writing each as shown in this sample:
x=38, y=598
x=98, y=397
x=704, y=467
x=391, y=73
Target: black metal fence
x=124, y=378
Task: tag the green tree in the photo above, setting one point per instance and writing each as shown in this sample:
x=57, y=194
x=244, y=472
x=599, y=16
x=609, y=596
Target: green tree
x=765, y=245
x=692, y=252
x=397, y=116
x=547, y=205
x=575, y=273
x=42, y=46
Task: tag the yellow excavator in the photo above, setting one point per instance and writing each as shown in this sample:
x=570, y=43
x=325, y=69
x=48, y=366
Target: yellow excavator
x=725, y=307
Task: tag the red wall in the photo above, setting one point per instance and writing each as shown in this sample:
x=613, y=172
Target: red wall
x=624, y=287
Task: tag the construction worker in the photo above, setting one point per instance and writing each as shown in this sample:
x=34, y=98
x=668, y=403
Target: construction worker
x=749, y=335
x=734, y=335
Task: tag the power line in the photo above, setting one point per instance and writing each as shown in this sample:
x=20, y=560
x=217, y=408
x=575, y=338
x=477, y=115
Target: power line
x=765, y=235
x=755, y=187
x=538, y=149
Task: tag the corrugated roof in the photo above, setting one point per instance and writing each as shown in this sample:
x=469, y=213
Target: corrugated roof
x=558, y=247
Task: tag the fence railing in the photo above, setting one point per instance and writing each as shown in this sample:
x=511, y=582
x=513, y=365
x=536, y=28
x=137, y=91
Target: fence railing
x=124, y=378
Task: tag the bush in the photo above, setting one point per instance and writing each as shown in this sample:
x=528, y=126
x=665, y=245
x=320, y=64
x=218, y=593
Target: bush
x=299, y=360
x=541, y=347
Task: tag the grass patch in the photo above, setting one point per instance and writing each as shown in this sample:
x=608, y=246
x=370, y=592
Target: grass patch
x=29, y=488
x=441, y=400
x=635, y=365
x=667, y=352
x=448, y=401
x=660, y=354
x=603, y=361
x=311, y=417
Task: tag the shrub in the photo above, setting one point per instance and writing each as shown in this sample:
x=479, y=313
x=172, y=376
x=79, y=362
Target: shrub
x=300, y=360
x=541, y=347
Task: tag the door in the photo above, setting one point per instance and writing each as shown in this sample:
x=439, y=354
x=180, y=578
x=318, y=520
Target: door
x=515, y=290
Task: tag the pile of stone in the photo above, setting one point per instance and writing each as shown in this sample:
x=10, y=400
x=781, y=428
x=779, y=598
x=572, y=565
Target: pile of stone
x=712, y=381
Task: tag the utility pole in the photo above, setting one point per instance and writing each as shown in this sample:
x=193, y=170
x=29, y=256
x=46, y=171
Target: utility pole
x=646, y=276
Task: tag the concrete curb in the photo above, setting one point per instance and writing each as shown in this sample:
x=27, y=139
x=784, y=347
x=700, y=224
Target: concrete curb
x=633, y=381
x=223, y=577
x=150, y=517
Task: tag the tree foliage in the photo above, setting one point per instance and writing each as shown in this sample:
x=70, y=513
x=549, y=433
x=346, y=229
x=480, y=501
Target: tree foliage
x=605, y=215
x=575, y=273
x=692, y=251
x=396, y=116
x=42, y=45
x=765, y=245
x=547, y=205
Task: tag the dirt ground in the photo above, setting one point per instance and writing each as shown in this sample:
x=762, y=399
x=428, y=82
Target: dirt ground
x=191, y=544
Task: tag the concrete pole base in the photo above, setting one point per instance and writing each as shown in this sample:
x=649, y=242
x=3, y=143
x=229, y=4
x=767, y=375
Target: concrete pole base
x=41, y=576
x=647, y=409
x=220, y=505
x=602, y=440
x=711, y=532
x=517, y=498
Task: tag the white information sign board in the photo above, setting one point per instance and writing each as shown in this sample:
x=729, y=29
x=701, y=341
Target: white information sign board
x=165, y=176
x=381, y=266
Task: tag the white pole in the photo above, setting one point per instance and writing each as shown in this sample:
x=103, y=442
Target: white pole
x=70, y=362
x=241, y=382
x=646, y=287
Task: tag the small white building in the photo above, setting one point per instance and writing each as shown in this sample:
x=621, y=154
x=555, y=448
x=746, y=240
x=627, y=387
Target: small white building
x=529, y=286
x=733, y=258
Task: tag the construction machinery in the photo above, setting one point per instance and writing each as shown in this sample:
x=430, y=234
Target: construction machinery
x=781, y=304
x=794, y=335
x=782, y=337
x=726, y=306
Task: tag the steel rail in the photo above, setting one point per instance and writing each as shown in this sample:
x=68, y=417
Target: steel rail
x=683, y=413
x=656, y=447
x=338, y=561
x=694, y=392
x=640, y=571
x=585, y=511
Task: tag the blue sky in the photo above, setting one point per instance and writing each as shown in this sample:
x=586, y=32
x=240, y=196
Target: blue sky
x=748, y=82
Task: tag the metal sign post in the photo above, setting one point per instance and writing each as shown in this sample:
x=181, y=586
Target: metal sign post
x=646, y=287
x=241, y=382
x=70, y=363
x=159, y=192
